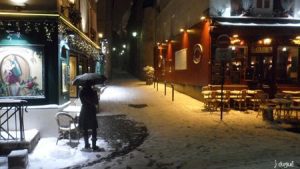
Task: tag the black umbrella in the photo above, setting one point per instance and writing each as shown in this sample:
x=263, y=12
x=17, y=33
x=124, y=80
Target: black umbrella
x=89, y=78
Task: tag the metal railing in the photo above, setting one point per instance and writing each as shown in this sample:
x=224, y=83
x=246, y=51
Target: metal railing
x=12, y=110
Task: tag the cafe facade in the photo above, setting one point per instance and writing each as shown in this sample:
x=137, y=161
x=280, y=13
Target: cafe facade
x=41, y=51
x=263, y=52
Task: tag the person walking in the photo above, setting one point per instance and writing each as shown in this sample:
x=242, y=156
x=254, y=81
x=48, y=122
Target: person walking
x=87, y=117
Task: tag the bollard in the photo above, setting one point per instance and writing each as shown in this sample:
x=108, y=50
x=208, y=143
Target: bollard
x=165, y=88
x=172, y=85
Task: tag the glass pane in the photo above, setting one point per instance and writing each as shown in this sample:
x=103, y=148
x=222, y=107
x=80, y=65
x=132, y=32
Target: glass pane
x=259, y=4
x=267, y=4
x=21, y=72
x=287, y=65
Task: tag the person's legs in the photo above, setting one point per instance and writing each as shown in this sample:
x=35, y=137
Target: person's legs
x=86, y=138
x=94, y=139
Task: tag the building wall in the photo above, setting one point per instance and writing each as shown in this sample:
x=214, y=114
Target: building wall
x=178, y=14
x=148, y=38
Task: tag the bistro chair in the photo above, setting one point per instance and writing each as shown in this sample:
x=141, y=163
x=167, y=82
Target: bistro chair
x=263, y=103
x=226, y=99
x=256, y=100
x=241, y=99
x=66, y=125
x=206, y=92
x=212, y=101
x=283, y=108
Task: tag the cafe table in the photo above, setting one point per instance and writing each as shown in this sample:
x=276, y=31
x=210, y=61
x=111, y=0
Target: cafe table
x=280, y=102
x=74, y=111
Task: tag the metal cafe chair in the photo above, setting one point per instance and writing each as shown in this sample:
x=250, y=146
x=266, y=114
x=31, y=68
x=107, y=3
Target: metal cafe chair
x=66, y=125
x=225, y=100
x=255, y=101
x=241, y=99
x=212, y=101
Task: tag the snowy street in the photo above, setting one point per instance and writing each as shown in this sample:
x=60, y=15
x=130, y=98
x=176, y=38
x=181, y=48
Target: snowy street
x=140, y=128
x=183, y=136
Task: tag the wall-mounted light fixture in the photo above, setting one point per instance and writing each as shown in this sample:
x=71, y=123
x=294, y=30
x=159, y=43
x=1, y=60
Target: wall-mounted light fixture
x=202, y=18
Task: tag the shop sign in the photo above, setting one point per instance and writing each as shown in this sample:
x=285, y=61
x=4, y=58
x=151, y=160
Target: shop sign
x=261, y=49
x=198, y=53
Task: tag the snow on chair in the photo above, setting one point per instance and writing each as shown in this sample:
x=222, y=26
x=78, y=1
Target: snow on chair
x=66, y=125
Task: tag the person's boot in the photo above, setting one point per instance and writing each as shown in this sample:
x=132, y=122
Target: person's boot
x=86, y=140
x=94, y=146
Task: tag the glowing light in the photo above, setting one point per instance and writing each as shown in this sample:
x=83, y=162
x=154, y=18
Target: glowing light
x=235, y=39
x=100, y=35
x=134, y=34
x=284, y=49
x=202, y=18
x=190, y=31
x=19, y=1
x=181, y=30
x=267, y=41
x=233, y=48
x=124, y=46
x=235, y=36
x=166, y=40
x=157, y=43
x=72, y=1
x=114, y=49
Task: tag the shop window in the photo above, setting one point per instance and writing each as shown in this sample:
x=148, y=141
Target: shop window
x=263, y=4
x=267, y=4
x=287, y=65
x=259, y=4
x=234, y=67
x=237, y=65
x=73, y=73
x=22, y=72
x=64, y=77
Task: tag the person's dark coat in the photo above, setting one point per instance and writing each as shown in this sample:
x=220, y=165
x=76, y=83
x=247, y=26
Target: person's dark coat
x=89, y=100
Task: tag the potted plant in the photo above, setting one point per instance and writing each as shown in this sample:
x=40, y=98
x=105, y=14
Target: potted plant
x=149, y=73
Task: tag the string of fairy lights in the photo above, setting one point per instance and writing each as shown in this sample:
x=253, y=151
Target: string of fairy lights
x=14, y=29
x=46, y=30
x=77, y=42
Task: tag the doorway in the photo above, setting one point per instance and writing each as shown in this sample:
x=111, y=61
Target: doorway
x=262, y=65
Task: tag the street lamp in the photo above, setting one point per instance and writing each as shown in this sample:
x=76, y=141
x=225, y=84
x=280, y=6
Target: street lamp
x=134, y=34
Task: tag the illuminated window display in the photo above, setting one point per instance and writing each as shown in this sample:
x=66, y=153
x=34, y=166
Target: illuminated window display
x=21, y=72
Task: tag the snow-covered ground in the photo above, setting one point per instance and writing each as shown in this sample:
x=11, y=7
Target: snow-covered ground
x=181, y=136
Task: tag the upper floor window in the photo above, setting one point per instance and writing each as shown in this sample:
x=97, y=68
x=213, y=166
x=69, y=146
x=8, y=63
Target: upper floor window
x=263, y=4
